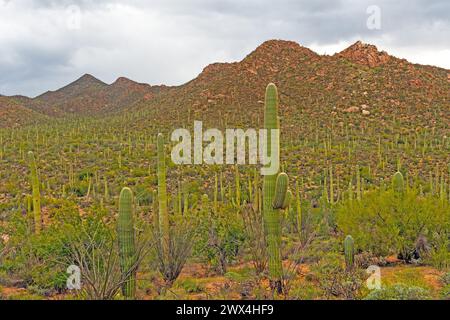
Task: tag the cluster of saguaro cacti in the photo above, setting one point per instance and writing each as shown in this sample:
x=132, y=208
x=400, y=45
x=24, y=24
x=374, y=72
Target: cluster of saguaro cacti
x=126, y=237
x=36, y=194
x=276, y=195
x=349, y=252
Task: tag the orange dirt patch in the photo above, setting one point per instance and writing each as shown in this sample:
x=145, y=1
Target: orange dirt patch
x=11, y=292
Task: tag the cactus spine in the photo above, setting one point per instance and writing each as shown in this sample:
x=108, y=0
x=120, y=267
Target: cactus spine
x=36, y=193
x=272, y=216
x=127, y=249
x=164, y=227
x=349, y=252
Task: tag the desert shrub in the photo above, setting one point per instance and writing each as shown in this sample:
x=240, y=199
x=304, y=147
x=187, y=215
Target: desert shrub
x=181, y=240
x=144, y=196
x=446, y=279
x=385, y=222
x=94, y=249
x=335, y=280
x=220, y=238
x=399, y=292
x=192, y=286
x=80, y=188
x=445, y=292
x=439, y=256
x=36, y=258
x=256, y=238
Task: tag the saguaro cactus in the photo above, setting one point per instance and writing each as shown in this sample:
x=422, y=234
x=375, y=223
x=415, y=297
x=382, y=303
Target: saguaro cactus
x=349, y=252
x=271, y=215
x=126, y=236
x=299, y=210
x=398, y=182
x=36, y=193
x=164, y=224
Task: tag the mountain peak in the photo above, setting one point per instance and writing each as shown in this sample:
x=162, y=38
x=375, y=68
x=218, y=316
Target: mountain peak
x=280, y=47
x=123, y=82
x=365, y=54
x=88, y=78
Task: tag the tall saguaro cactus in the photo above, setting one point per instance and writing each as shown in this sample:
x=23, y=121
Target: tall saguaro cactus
x=349, y=252
x=164, y=226
x=126, y=236
x=36, y=194
x=271, y=215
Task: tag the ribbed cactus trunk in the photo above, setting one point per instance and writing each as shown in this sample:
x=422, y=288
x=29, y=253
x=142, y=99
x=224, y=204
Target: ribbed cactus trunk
x=398, y=182
x=36, y=194
x=237, y=185
x=126, y=236
x=349, y=252
x=164, y=224
x=271, y=215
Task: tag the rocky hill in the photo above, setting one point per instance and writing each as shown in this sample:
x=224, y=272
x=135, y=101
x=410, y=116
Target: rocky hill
x=359, y=82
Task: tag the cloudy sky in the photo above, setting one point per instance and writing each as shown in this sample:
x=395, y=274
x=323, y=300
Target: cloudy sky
x=45, y=44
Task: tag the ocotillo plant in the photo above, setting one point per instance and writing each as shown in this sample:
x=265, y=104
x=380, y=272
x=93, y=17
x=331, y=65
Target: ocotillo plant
x=174, y=241
x=126, y=236
x=349, y=252
x=164, y=224
x=271, y=215
x=36, y=193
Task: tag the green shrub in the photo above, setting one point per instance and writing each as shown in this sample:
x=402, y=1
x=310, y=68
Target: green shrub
x=385, y=222
x=335, y=280
x=399, y=292
x=446, y=279
x=41, y=260
x=220, y=239
x=445, y=292
x=191, y=286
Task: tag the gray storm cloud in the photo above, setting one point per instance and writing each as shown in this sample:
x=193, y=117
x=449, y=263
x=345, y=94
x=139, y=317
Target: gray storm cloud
x=46, y=44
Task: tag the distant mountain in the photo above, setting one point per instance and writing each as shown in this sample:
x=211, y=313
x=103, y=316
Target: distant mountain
x=359, y=82
x=88, y=95
x=14, y=113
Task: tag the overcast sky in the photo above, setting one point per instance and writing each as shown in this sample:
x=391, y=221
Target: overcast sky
x=46, y=44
